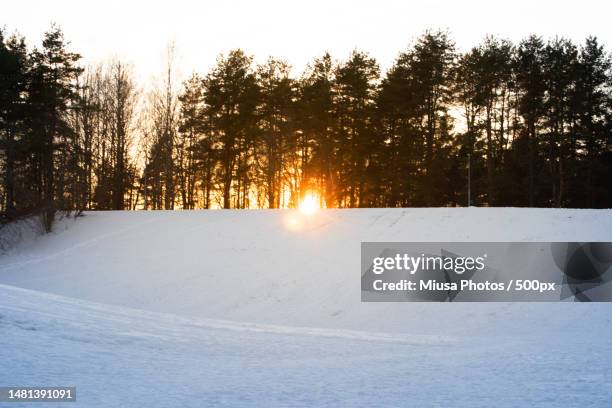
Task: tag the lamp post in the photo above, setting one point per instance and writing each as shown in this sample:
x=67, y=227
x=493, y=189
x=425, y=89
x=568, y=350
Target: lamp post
x=469, y=175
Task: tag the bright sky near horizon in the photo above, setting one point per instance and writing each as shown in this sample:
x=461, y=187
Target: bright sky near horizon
x=138, y=32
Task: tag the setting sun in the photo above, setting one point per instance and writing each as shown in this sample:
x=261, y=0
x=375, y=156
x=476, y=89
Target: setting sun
x=310, y=204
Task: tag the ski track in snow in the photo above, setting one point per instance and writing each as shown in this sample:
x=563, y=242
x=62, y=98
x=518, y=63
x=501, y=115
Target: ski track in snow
x=106, y=313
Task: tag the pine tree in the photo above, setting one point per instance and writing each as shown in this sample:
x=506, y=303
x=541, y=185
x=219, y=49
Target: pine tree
x=354, y=102
x=315, y=120
x=52, y=92
x=277, y=144
x=13, y=86
x=231, y=98
x=191, y=135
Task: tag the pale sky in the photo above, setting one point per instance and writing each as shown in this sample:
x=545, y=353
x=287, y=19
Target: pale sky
x=139, y=31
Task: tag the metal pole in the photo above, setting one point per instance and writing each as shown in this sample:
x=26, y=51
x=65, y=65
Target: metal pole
x=469, y=170
x=145, y=179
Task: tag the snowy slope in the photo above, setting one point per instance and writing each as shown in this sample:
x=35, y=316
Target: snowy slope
x=275, y=267
x=262, y=308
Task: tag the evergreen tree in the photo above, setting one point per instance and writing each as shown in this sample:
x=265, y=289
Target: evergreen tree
x=231, y=98
x=190, y=137
x=315, y=117
x=52, y=93
x=530, y=88
x=277, y=144
x=354, y=102
x=13, y=86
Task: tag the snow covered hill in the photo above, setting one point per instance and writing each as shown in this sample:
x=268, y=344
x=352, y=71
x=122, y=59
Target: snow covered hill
x=252, y=308
x=274, y=267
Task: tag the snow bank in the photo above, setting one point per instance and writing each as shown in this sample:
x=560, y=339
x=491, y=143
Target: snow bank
x=24, y=232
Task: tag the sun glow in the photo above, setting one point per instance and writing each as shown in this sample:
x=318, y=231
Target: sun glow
x=309, y=204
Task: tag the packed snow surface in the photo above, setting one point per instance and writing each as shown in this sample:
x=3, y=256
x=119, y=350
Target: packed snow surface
x=262, y=308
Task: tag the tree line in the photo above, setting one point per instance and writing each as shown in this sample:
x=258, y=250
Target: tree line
x=531, y=120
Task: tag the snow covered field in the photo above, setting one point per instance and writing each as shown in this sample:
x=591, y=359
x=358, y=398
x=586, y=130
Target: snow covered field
x=262, y=308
